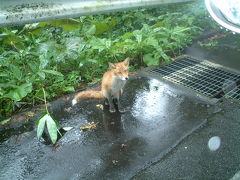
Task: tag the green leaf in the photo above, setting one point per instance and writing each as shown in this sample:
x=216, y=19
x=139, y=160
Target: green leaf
x=151, y=41
x=127, y=35
x=39, y=94
x=92, y=61
x=3, y=74
x=81, y=64
x=97, y=43
x=108, y=43
x=102, y=27
x=20, y=92
x=166, y=58
x=66, y=24
x=180, y=29
x=41, y=125
x=69, y=89
x=112, y=23
x=16, y=71
x=52, y=129
x=52, y=72
x=91, y=30
x=41, y=74
x=150, y=60
x=12, y=39
x=43, y=61
x=3, y=35
x=138, y=35
x=1, y=92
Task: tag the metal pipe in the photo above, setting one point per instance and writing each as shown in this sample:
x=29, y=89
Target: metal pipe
x=17, y=12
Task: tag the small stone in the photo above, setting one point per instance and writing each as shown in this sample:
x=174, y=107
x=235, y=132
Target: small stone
x=114, y=162
x=123, y=145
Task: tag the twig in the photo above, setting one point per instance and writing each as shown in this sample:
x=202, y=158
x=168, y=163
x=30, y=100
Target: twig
x=44, y=94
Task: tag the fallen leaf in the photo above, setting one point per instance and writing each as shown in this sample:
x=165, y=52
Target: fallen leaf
x=114, y=162
x=5, y=121
x=67, y=128
x=68, y=109
x=30, y=114
x=21, y=117
x=56, y=148
x=89, y=126
x=100, y=106
x=123, y=145
x=66, y=98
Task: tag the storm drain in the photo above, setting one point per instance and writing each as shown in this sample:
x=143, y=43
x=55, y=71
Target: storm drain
x=202, y=76
x=234, y=93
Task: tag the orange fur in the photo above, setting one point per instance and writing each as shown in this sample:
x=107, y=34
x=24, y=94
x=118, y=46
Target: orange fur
x=113, y=82
x=89, y=94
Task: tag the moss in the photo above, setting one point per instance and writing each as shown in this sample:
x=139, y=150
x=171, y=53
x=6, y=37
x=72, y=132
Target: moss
x=33, y=6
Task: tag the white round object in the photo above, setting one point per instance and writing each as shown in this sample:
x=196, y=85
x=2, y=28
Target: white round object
x=214, y=143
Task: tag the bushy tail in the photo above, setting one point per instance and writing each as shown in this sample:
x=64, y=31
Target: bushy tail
x=87, y=94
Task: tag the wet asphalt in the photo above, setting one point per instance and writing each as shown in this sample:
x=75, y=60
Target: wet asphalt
x=167, y=132
x=195, y=159
x=157, y=119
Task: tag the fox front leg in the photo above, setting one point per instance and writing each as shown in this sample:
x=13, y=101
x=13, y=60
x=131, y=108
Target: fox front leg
x=110, y=101
x=106, y=102
x=120, y=108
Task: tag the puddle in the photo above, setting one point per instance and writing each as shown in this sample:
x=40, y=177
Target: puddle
x=211, y=152
x=156, y=120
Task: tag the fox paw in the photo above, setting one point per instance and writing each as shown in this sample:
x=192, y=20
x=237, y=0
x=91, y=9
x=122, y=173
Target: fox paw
x=112, y=110
x=121, y=110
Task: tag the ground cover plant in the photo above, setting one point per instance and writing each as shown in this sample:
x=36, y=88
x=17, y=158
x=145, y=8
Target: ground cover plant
x=65, y=55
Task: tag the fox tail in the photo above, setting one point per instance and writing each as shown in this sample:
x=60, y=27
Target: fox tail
x=87, y=94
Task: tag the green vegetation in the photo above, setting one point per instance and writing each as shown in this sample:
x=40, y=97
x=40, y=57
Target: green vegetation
x=65, y=55
x=209, y=44
x=47, y=120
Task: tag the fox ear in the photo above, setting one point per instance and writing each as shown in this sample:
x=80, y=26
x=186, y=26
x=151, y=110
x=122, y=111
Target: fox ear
x=126, y=61
x=111, y=65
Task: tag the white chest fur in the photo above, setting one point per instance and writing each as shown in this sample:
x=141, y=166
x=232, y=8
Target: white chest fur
x=117, y=85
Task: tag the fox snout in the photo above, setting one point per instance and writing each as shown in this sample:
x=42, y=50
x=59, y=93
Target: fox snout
x=121, y=75
x=123, y=78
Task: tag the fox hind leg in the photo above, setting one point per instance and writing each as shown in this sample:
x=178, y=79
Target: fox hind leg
x=110, y=101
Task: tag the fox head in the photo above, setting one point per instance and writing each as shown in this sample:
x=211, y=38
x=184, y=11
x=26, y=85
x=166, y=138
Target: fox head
x=120, y=69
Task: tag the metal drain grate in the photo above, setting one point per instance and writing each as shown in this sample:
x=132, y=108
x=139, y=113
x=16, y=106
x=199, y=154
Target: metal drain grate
x=201, y=76
x=234, y=93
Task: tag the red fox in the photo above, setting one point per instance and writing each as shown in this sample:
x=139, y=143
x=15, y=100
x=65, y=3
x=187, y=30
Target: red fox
x=113, y=82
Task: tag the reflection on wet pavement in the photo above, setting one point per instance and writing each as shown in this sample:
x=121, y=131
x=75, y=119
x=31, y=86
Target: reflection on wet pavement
x=157, y=119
